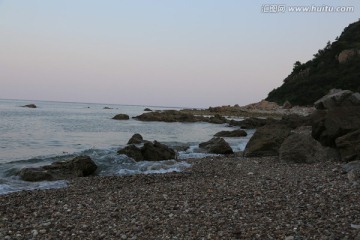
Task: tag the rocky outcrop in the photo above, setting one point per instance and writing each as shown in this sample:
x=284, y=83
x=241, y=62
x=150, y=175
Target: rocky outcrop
x=81, y=166
x=235, y=133
x=151, y=151
x=347, y=54
x=301, y=147
x=217, y=119
x=263, y=105
x=267, y=140
x=121, y=117
x=349, y=146
x=136, y=139
x=287, y=105
x=334, y=123
x=252, y=123
x=107, y=108
x=147, y=110
x=30, y=106
x=177, y=116
x=338, y=98
x=217, y=146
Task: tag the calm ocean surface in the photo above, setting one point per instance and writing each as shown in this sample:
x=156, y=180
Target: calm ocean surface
x=57, y=131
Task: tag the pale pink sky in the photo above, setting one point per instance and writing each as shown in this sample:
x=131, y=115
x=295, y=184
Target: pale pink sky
x=156, y=52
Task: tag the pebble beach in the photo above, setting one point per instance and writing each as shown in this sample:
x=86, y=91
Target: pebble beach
x=217, y=198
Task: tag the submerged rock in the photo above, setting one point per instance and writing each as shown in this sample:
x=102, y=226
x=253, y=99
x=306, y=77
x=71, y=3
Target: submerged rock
x=235, y=133
x=121, y=117
x=81, y=166
x=30, y=106
x=217, y=145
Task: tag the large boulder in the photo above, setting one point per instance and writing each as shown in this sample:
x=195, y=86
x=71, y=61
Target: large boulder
x=349, y=146
x=334, y=123
x=301, y=147
x=81, y=166
x=267, y=140
x=151, y=151
x=121, y=117
x=235, y=133
x=136, y=139
x=157, y=151
x=217, y=146
x=132, y=151
x=337, y=98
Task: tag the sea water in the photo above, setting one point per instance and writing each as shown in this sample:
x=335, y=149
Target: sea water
x=57, y=131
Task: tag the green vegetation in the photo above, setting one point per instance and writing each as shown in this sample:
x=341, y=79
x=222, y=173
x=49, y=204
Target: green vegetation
x=311, y=80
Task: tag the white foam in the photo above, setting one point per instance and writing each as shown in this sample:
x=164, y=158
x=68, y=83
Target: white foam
x=17, y=185
x=153, y=167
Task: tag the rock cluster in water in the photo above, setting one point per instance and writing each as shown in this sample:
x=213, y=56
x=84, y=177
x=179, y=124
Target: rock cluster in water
x=81, y=166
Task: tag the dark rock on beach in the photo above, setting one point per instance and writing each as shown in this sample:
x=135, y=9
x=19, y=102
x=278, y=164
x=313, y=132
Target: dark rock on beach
x=151, y=151
x=121, y=117
x=136, y=139
x=338, y=98
x=331, y=124
x=235, y=133
x=349, y=146
x=301, y=147
x=217, y=145
x=30, y=106
x=267, y=140
x=81, y=166
x=147, y=110
x=107, y=108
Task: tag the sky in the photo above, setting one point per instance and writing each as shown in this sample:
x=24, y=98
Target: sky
x=186, y=53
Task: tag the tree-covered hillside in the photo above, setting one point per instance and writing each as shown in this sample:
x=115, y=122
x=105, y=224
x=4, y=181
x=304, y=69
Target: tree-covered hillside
x=335, y=66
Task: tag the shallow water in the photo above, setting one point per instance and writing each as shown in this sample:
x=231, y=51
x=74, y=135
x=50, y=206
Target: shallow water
x=58, y=131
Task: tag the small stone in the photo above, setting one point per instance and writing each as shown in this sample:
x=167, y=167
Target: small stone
x=123, y=236
x=289, y=238
x=42, y=231
x=356, y=226
x=34, y=232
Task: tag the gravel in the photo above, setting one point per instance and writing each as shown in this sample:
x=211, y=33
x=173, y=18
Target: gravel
x=217, y=198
